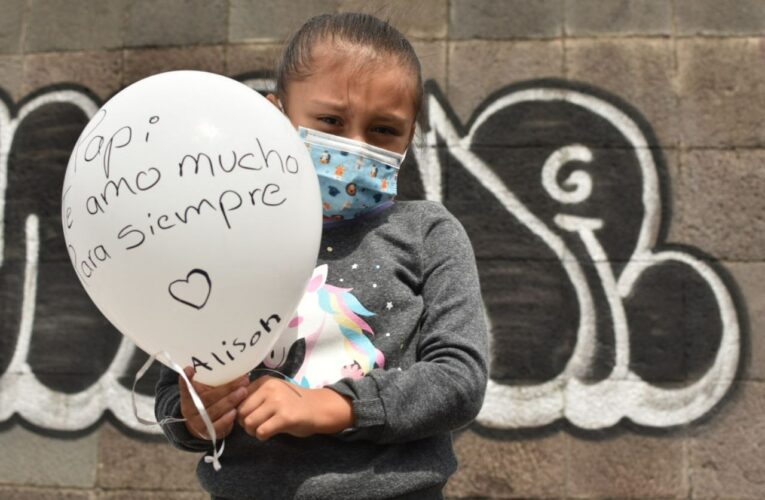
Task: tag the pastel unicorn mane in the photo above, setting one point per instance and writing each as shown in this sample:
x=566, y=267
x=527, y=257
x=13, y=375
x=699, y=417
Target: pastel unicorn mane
x=347, y=312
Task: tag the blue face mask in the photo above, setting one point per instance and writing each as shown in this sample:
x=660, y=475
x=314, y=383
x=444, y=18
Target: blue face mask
x=354, y=177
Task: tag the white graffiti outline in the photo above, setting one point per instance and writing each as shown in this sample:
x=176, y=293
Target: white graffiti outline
x=623, y=393
x=21, y=391
x=51, y=409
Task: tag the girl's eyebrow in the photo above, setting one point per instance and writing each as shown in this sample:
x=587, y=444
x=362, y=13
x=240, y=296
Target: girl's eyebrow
x=332, y=105
x=392, y=119
x=339, y=107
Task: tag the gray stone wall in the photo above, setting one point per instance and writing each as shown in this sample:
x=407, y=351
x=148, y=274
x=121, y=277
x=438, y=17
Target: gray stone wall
x=687, y=75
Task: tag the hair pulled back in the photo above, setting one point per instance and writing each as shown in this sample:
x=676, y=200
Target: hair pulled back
x=358, y=29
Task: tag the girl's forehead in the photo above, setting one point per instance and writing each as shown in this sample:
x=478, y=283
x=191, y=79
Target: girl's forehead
x=338, y=71
x=351, y=58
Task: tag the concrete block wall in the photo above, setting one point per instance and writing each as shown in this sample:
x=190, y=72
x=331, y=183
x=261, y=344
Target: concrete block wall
x=524, y=79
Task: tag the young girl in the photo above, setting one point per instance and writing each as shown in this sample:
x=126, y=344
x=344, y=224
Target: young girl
x=401, y=338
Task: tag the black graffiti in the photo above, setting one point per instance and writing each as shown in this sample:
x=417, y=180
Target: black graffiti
x=672, y=314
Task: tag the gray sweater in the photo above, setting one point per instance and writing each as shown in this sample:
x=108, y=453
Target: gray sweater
x=413, y=267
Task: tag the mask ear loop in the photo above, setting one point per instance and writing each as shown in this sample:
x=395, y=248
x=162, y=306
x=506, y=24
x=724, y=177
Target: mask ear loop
x=216, y=453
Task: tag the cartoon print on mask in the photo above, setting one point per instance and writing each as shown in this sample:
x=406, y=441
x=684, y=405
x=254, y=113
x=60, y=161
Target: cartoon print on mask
x=329, y=319
x=350, y=191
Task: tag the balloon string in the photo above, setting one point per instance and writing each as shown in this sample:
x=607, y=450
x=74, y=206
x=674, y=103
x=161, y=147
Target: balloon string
x=286, y=377
x=216, y=454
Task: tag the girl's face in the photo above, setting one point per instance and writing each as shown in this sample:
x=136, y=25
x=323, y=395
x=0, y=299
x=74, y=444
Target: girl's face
x=371, y=102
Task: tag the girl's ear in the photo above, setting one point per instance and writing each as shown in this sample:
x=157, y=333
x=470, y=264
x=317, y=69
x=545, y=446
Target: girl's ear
x=275, y=101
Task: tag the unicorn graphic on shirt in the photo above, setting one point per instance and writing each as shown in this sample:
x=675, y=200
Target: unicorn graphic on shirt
x=331, y=321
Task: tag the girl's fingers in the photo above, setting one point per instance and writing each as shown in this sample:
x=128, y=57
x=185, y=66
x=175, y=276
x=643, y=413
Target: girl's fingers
x=188, y=409
x=268, y=428
x=210, y=396
x=222, y=426
x=255, y=420
x=253, y=401
x=229, y=402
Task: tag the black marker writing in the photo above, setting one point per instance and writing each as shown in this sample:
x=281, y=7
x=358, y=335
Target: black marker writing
x=152, y=121
x=143, y=181
x=87, y=266
x=265, y=326
x=227, y=202
x=98, y=121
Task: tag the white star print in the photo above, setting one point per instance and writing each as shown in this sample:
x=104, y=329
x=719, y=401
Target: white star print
x=355, y=266
x=387, y=334
x=389, y=306
x=374, y=285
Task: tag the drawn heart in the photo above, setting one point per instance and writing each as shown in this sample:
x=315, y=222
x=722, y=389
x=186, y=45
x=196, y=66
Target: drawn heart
x=192, y=291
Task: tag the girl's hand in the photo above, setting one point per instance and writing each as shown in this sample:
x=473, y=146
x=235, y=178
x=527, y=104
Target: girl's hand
x=220, y=403
x=275, y=406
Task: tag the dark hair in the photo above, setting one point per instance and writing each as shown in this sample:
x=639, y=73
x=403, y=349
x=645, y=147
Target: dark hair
x=355, y=28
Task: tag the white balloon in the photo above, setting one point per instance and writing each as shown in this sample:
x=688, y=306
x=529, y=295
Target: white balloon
x=192, y=216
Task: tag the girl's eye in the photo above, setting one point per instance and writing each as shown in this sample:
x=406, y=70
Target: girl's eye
x=385, y=130
x=330, y=120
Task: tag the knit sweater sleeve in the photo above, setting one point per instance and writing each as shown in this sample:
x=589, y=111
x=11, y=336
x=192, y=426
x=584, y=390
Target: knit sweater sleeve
x=444, y=389
x=167, y=403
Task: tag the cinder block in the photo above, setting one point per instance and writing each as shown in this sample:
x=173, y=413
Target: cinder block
x=11, y=70
x=129, y=463
x=488, y=19
x=720, y=17
x=424, y=19
x=618, y=17
x=31, y=459
x=55, y=25
x=272, y=20
x=721, y=87
x=493, y=467
x=101, y=72
x=10, y=25
x=477, y=68
x=24, y=493
x=142, y=63
x=264, y=58
x=151, y=495
x=726, y=454
x=176, y=22
x=640, y=71
x=627, y=465
x=750, y=280
x=250, y=58
x=719, y=203
x=432, y=57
